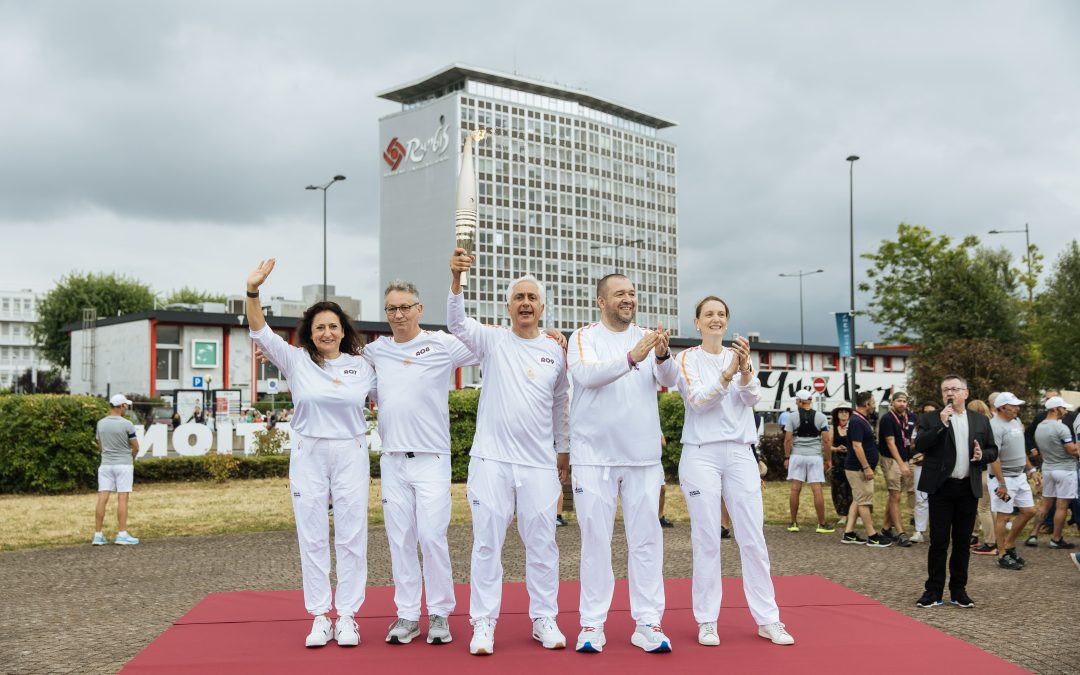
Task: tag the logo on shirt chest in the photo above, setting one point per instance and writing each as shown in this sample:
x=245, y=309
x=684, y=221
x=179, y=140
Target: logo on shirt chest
x=423, y=351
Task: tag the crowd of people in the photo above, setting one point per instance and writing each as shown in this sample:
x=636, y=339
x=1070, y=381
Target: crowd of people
x=911, y=453
x=529, y=431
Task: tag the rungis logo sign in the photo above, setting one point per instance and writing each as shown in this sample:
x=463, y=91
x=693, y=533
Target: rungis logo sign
x=417, y=153
x=394, y=153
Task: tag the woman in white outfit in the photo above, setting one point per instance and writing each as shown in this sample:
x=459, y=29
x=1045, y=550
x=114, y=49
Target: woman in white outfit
x=329, y=382
x=719, y=391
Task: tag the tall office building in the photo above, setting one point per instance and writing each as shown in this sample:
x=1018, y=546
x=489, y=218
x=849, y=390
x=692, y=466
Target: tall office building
x=571, y=187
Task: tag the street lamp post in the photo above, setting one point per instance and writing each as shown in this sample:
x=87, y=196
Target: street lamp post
x=802, y=337
x=851, y=225
x=324, y=188
x=1027, y=251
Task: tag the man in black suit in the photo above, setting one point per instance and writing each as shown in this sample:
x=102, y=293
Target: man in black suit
x=953, y=480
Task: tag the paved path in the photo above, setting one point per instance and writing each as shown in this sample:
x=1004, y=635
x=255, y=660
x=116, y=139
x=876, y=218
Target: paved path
x=91, y=609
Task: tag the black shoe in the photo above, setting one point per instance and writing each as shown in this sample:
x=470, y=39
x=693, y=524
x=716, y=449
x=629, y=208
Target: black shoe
x=887, y=533
x=961, y=599
x=985, y=549
x=664, y=522
x=560, y=521
x=1007, y=562
x=929, y=600
x=1011, y=553
x=725, y=533
x=1061, y=543
x=877, y=541
x=852, y=538
x=903, y=540
x=1031, y=541
x=974, y=541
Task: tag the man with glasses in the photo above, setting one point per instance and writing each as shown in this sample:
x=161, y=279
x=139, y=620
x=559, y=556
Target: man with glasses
x=414, y=370
x=957, y=445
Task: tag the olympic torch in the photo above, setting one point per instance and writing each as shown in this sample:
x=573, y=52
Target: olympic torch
x=465, y=215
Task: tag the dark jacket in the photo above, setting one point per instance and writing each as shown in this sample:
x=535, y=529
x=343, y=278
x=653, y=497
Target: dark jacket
x=935, y=441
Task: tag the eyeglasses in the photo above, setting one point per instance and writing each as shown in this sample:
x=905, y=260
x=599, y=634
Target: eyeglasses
x=949, y=390
x=404, y=309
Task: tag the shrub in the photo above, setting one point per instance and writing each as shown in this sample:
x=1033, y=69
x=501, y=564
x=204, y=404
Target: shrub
x=463, y=403
x=47, y=442
x=221, y=467
x=190, y=469
x=270, y=442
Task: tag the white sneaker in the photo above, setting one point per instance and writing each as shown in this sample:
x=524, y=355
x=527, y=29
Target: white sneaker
x=706, y=634
x=547, y=633
x=776, y=633
x=917, y=538
x=483, y=637
x=321, y=632
x=403, y=631
x=651, y=638
x=345, y=632
x=591, y=640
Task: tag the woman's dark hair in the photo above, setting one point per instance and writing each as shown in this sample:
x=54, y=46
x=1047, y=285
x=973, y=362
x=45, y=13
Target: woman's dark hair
x=350, y=342
x=707, y=298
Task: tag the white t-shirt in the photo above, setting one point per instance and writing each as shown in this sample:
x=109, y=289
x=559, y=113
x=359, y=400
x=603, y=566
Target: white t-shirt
x=522, y=416
x=614, y=419
x=414, y=378
x=716, y=413
x=328, y=402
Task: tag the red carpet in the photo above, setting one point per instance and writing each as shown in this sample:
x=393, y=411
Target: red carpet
x=249, y=632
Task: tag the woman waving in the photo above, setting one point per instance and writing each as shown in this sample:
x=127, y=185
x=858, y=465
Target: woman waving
x=329, y=381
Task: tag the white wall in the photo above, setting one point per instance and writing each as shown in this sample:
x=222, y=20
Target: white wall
x=121, y=359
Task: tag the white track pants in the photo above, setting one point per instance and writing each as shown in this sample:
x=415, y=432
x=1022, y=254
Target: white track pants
x=728, y=471
x=922, y=504
x=597, y=489
x=322, y=469
x=416, y=508
x=495, y=489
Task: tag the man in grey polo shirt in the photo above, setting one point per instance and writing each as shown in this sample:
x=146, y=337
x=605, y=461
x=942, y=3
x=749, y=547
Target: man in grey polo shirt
x=118, y=445
x=806, y=437
x=1058, y=448
x=1007, y=481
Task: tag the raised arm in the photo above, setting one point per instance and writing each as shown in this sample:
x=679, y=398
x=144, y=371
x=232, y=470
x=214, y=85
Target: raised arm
x=253, y=305
x=470, y=331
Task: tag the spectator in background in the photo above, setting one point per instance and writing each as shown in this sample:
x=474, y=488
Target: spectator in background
x=1029, y=431
x=176, y=421
x=921, y=509
x=197, y=416
x=841, y=490
x=988, y=545
x=806, y=437
x=1007, y=482
x=118, y=445
x=783, y=418
x=859, y=464
x=895, y=431
x=1057, y=445
x=664, y=522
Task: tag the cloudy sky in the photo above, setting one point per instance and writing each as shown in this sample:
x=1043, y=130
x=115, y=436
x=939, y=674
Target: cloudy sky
x=171, y=141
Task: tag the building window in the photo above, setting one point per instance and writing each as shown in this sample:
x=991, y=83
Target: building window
x=830, y=362
x=168, y=363
x=866, y=364
x=763, y=360
x=894, y=364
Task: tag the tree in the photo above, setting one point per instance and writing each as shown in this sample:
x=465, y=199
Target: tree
x=109, y=294
x=192, y=296
x=927, y=289
x=987, y=365
x=51, y=381
x=1058, y=323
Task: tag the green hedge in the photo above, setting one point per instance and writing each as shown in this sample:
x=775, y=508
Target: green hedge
x=47, y=445
x=184, y=469
x=47, y=442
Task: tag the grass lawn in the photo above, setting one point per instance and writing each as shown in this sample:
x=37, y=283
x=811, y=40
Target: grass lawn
x=160, y=510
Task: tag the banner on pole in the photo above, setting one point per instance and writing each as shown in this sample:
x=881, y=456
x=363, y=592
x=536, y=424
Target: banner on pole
x=843, y=335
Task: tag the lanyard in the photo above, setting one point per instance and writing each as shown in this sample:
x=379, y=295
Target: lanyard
x=902, y=426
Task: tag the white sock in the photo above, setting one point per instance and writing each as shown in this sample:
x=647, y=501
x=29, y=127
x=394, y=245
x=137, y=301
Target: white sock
x=99, y=534
x=122, y=533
